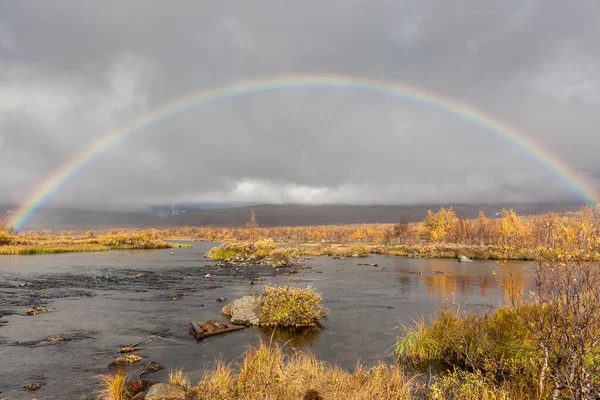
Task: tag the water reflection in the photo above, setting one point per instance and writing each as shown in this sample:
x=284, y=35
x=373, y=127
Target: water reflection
x=475, y=281
x=295, y=337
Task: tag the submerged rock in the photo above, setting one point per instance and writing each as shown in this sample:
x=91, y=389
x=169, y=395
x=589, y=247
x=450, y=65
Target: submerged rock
x=2, y=323
x=163, y=391
x=246, y=310
x=36, y=310
x=125, y=360
x=464, y=259
x=33, y=387
x=151, y=367
x=56, y=339
x=221, y=299
x=208, y=276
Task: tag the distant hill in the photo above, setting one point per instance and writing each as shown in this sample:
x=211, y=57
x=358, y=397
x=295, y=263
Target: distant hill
x=302, y=215
x=267, y=215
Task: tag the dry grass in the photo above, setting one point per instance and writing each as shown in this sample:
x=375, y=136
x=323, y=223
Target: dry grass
x=265, y=372
x=113, y=387
x=178, y=377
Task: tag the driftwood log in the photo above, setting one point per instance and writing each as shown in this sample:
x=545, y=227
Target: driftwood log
x=201, y=330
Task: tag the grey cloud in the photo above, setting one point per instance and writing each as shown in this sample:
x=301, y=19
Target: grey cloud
x=72, y=71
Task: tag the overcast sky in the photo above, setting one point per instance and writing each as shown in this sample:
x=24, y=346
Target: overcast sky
x=71, y=71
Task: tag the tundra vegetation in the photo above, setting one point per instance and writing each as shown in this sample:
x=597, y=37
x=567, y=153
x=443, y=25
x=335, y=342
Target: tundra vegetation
x=441, y=234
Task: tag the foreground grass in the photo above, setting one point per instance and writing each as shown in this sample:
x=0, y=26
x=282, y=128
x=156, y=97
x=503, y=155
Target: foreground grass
x=265, y=372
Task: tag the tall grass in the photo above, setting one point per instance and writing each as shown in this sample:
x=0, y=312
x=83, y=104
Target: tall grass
x=494, y=345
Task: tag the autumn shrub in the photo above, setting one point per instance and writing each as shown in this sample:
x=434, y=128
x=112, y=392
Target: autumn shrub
x=564, y=315
x=5, y=238
x=292, y=306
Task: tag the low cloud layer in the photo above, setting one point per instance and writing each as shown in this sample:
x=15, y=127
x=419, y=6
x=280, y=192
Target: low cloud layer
x=73, y=71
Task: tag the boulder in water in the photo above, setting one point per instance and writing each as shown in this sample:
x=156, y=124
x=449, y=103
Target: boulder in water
x=464, y=259
x=245, y=310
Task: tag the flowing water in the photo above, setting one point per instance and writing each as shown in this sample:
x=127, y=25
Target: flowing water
x=98, y=304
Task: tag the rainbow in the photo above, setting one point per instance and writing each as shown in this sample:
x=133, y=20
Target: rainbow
x=290, y=82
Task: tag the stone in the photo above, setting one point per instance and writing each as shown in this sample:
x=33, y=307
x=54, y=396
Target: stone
x=355, y=255
x=208, y=276
x=140, y=275
x=56, y=339
x=164, y=391
x=139, y=386
x=151, y=367
x=246, y=310
x=22, y=284
x=464, y=259
x=33, y=387
x=221, y=299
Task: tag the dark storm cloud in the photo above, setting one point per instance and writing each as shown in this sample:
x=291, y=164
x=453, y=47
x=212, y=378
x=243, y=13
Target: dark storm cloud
x=71, y=71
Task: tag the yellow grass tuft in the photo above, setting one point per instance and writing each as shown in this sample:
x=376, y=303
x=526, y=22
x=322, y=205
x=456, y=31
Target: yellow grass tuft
x=113, y=387
x=178, y=377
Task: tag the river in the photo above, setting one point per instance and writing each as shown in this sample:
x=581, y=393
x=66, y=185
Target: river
x=98, y=304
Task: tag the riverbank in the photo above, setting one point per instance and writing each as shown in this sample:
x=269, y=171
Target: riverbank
x=14, y=244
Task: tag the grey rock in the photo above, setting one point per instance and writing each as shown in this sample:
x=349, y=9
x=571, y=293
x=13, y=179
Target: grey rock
x=245, y=310
x=464, y=259
x=164, y=391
